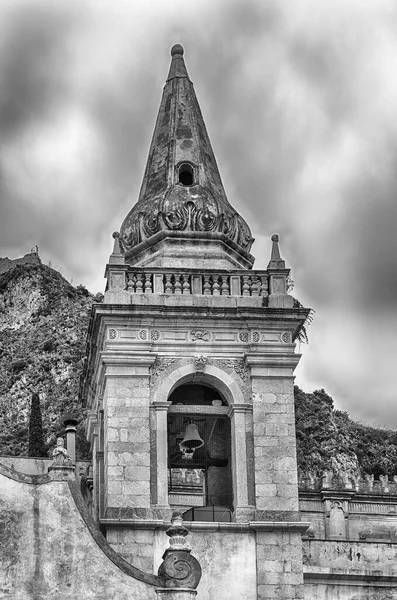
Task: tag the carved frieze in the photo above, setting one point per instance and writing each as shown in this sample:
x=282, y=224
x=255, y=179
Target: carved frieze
x=206, y=214
x=200, y=334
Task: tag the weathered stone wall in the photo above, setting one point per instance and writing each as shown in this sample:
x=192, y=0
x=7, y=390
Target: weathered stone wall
x=135, y=546
x=227, y=560
x=35, y=466
x=47, y=552
x=349, y=570
x=330, y=590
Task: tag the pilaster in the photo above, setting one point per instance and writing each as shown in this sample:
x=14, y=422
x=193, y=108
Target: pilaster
x=159, y=454
x=127, y=432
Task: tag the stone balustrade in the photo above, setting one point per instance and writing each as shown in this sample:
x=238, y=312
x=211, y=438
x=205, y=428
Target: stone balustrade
x=165, y=281
x=348, y=481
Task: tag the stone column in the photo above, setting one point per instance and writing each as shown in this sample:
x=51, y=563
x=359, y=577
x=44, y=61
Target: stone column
x=159, y=450
x=237, y=414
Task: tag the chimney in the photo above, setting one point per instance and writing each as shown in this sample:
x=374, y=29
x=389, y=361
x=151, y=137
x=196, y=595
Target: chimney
x=70, y=428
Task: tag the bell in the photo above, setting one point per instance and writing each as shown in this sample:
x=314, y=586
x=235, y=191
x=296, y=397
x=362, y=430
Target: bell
x=191, y=439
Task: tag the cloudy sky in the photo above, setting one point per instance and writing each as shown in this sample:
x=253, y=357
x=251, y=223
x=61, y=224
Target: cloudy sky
x=299, y=98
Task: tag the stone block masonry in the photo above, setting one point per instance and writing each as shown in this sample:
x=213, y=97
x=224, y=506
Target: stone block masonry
x=276, y=485
x=279, y=565
x=127, y=439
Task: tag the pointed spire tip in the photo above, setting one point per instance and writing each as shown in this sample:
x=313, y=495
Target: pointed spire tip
x=177, y=49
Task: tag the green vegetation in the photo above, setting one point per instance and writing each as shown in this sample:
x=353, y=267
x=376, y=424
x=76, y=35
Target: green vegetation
x=327, y=439
x=43, y=324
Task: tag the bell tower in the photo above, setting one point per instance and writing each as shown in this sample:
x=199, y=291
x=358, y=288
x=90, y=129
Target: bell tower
x=189, y=377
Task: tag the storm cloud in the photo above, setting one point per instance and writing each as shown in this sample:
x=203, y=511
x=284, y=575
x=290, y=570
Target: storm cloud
x=299, y=101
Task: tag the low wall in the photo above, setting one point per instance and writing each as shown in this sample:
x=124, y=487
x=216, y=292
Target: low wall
x=47, y=551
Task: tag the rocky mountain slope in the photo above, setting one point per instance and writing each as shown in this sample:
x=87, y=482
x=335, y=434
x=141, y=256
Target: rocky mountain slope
x=43, y=324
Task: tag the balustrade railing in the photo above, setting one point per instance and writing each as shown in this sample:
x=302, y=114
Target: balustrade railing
x=207, y=284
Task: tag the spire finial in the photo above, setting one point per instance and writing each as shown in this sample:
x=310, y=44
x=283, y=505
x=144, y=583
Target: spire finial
x=177, y=49
x=178, y=68
x=116, y=245
x=275, y=260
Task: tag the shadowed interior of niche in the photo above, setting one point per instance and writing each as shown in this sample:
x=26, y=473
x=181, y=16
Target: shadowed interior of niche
x=199, y=454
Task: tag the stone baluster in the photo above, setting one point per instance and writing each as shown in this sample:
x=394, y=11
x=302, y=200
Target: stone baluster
x=207, y=286
x=131, y=283
x=148, y=283
x=254, y=286
x=177, y=284
x=185, y=284
x=263, y=285
x=225, y=290
x=168, y=284
x=139, y=283
x=215, y=286
x=246, y=285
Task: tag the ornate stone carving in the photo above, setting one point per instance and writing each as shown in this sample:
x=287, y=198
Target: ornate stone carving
x=200, y=334
x=237, y=365
x=285, y=337
x=243, y=336
x=167, y=214
x=154, y=335
x=60, y=454
x=160, y=365
x=62, y=467
x=143, y=334
x=199, y=363
x=112, y=334
x=256, y=337
x=179, y=567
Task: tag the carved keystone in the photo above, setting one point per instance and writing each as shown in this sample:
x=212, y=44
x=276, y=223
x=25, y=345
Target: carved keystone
x=179, y=567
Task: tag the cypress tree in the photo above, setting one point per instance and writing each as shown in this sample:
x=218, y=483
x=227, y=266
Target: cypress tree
x=36, y=441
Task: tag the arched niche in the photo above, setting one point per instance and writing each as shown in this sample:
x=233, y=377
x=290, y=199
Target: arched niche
x=233, y=407
x=199, y=448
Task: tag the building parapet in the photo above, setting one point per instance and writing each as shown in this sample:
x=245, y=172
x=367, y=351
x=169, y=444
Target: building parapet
x=348, y=481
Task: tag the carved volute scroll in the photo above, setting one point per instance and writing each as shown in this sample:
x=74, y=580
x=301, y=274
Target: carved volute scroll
x=179, y=567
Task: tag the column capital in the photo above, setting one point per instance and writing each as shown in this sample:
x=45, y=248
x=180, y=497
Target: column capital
x=239, y=408
x=159, y=406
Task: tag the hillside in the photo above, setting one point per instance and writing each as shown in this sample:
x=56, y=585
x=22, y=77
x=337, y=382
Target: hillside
x=43, y=324
x=327, y=439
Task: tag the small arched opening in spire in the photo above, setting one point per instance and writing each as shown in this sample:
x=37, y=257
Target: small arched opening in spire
x=186, y=174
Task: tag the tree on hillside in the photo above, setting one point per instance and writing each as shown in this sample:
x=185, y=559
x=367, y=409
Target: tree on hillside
x=37, y=446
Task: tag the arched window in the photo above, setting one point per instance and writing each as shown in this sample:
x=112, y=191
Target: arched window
x=199, y=453
x=186, y=174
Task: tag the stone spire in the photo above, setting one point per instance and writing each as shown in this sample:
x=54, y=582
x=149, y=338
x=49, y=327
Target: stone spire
x=182, y=205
